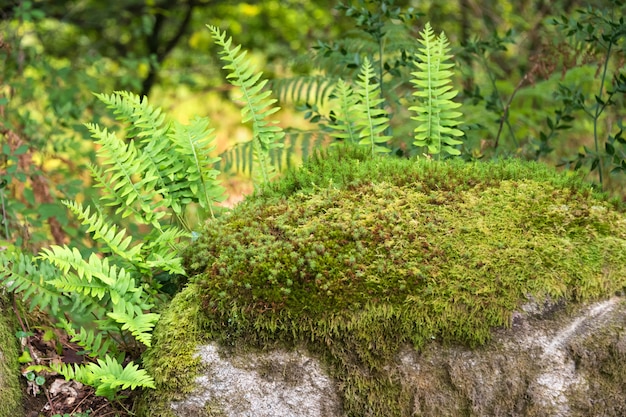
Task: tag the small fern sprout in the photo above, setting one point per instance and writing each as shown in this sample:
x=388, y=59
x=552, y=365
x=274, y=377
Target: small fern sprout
x=434, y=108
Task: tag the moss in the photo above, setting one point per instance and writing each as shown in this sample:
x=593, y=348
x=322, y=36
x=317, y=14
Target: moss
x=176, y=336
x=355, y=257
x=10, y=391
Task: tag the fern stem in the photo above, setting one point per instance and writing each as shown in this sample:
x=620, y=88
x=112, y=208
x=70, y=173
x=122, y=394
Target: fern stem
x=4, y=216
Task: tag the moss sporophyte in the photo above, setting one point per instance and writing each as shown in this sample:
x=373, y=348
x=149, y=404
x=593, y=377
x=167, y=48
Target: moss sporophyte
x=355, y=257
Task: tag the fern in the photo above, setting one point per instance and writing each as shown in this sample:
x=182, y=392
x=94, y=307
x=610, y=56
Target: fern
x=118, y=242
x=372, y=120
x=435, y=109
x=258, y=105
x=298, y=145
x=174, y=157
x=197, y=182
x=345, y=125
x=122, y=189
x=94, y=343
x=316, y=89
x=140, y=325
x=147, y=123
x=33, y=280
x=97, y=279
x=94, y=271
x=107, y=376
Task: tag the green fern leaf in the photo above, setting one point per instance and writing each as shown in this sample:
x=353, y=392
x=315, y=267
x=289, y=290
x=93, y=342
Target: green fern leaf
x=91, y=341
x=20, y=274
x=107, y=376
x=373, y=120
x=194, y=142
x=93, y=278
x=258, y=105
x=305, y=89
x=123, y=188
x=436, y=115
x=116, y=241
x=347, y=116
x=183, y=176
x=139, y=325
x=147, y=123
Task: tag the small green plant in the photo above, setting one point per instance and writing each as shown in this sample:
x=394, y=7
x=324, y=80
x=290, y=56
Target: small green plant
x=258, y=105
x=361, y=118
x=436, y=112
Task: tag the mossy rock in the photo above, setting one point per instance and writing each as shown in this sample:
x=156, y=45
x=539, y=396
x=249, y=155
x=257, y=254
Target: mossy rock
x=355, y=258
x=10, y=390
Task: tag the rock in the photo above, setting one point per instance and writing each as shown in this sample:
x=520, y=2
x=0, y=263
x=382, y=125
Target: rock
x=276, y=383
x=370, y=287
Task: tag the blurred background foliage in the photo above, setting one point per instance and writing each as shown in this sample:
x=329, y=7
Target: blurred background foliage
x=533, y=76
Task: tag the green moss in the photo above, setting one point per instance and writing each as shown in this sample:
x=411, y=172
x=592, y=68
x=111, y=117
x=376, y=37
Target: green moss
x=355, y=257
x=172, y=362
x=10, y=391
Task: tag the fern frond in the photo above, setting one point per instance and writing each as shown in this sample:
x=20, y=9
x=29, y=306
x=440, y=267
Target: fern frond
x=372, y=120
x=20, y=274
x=139, y=324
x=91, y=341
x=346, y=118
x=436, y=115
x=314, y=89
x=103, y=231
x=258, y=105
x=94, y=278
x=298, y=144
x=107, y=376
x=130, y=183
x=198, y=182
x=146, y=122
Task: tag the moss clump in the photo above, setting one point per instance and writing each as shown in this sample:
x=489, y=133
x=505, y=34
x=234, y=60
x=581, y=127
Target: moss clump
x=355, y=257
x=10, y=391
x=176, y=336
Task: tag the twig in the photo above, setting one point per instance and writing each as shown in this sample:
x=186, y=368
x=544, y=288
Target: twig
x=505, y=112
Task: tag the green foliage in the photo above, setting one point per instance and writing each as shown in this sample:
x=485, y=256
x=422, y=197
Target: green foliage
x=258, y=105
x=435, y=109
x=23, y=275
x=154, y=175
x=174, y=158
x=107, y=376
x=345, y=113
x=601, y=31
x=372, y=120
x=360, y=117
x=152, y=179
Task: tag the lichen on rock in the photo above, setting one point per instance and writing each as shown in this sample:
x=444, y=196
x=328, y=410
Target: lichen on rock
x=353, y=259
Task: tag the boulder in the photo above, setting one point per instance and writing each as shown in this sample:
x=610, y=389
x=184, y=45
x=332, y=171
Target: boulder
x=359, y=286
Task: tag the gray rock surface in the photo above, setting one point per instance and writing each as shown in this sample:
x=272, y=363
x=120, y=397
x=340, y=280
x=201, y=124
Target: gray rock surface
x=273, y=384
x=548, y=363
